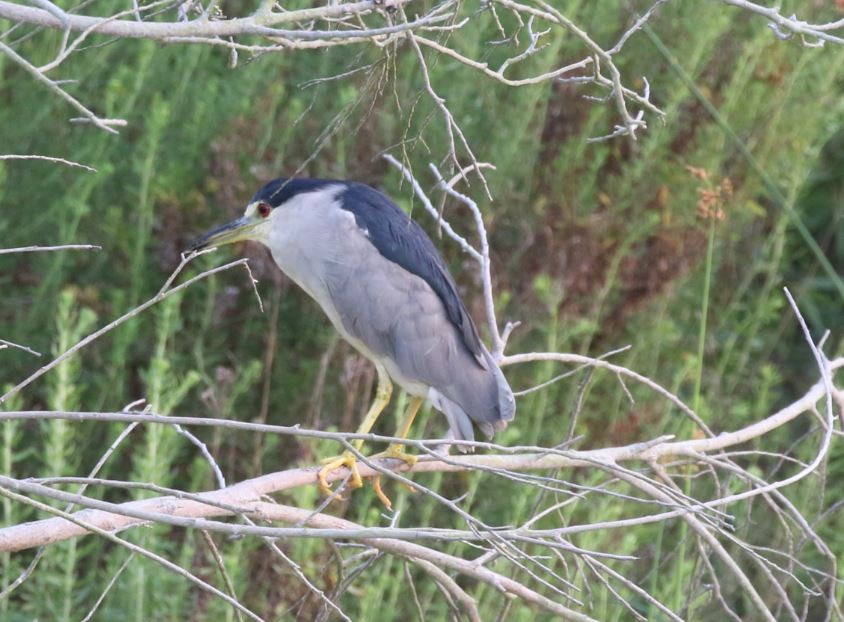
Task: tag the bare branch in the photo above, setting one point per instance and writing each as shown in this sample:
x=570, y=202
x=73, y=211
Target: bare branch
x=103, y=124
x=48, y=249
x=134, y=548
x=262, y=23
x=70, y=163
x=813, y=35
x=11, y=344
x=124, y=318
x=245, y=493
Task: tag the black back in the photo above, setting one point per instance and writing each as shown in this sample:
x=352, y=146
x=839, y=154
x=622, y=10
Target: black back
x=396, y=237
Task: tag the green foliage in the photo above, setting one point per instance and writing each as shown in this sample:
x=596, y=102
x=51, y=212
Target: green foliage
x=595, y=246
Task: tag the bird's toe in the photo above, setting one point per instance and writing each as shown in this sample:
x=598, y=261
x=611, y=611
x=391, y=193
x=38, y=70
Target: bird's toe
x=329, y=465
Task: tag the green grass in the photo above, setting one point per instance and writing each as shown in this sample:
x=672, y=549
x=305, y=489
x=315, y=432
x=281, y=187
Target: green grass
x=595, y=246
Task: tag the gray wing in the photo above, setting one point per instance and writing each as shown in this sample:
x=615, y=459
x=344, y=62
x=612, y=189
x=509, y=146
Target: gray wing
x=397, y=315
x=398, y=238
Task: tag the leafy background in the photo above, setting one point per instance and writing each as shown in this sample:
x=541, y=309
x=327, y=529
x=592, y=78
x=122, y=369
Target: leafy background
x=595, y=246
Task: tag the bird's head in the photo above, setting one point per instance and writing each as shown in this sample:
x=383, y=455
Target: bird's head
x=256, y=222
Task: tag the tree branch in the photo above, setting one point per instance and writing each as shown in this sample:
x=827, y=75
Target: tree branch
x=246, y=494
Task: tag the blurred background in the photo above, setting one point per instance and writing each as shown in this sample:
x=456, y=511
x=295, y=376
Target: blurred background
x=595, y=246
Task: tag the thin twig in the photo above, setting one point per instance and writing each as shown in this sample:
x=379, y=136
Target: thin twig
x=70, y=163
x=47, y=249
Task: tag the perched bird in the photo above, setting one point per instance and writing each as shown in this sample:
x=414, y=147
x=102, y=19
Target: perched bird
x=380, y=280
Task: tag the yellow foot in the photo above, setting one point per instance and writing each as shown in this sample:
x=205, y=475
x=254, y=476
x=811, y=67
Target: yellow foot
x=348, y=460
x=396, y=452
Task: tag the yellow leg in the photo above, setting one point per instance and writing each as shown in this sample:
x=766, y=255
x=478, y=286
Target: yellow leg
x=347, y=458
x=396, y=450
x=382, y=398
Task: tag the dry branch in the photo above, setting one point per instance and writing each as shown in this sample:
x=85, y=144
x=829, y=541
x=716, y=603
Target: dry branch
x=813, y=35
x=245, y=495
x=47, y=249
x=53, y=160
x=367, y=23
x=261, y=23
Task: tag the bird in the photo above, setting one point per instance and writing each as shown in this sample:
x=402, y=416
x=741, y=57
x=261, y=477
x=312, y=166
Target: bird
x=381, y=282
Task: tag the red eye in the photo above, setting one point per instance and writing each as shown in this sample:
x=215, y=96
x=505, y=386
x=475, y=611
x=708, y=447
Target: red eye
x=264, y=209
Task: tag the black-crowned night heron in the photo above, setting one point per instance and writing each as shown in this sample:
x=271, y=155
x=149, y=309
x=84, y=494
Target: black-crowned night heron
x=384, y=286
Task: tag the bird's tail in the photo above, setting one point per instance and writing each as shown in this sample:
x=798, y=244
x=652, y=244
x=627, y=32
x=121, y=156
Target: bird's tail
x=488, y=402
x=506, y=399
